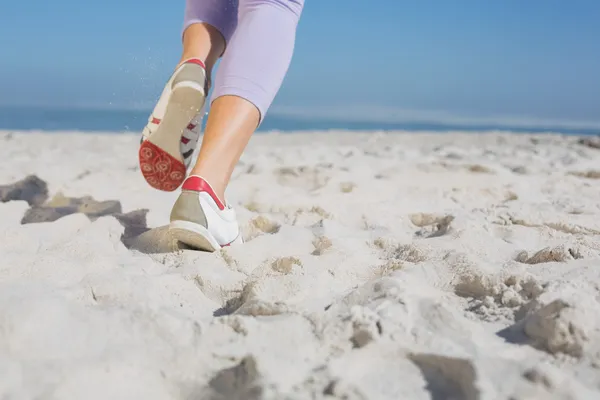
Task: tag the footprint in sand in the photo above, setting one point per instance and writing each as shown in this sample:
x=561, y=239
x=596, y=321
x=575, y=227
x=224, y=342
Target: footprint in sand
x=561, y=253
x=590, y=174
x=431, y=225
x=321, y=243
x=308, y=178
x=258, y=226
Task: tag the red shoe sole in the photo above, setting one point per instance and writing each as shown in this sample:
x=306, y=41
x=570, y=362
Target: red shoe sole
x=160, y=169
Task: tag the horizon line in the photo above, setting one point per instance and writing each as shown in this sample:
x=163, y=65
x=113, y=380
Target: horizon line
x=366, y=114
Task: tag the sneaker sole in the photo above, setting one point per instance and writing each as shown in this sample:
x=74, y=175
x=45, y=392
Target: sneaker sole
x=193, y=235
x=160, y=158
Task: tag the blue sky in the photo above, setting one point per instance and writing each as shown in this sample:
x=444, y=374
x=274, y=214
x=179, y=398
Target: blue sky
x=529, y=60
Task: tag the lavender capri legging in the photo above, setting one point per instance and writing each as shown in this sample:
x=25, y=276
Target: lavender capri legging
x=259, y=35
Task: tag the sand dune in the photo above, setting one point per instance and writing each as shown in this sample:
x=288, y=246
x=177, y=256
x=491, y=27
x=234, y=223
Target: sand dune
x=377, y=266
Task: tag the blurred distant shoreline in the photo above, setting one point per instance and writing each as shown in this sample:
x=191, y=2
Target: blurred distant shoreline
x=23, y=118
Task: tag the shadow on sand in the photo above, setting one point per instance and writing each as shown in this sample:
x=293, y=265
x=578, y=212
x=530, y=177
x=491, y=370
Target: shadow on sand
x=136, y=236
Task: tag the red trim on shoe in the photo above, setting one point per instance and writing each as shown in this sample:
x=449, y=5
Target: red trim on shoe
x=230, y=243
x=155, y=121
x=191, y=126
x=195, y=61
x=198, y=184
x=184, y=140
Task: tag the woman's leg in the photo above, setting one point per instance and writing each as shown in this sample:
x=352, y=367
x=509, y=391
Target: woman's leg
x=251, y=72
x=208, y=25
x=171, y=135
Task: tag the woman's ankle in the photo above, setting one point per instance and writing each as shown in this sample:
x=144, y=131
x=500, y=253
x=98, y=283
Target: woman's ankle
x=216, y=183
x=204, y=42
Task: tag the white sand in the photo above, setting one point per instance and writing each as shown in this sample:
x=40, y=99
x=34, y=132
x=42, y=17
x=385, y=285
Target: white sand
x=378, y=266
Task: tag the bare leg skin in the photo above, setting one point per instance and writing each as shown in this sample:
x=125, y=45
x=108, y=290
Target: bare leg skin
x=231, y=122
x=205, y=42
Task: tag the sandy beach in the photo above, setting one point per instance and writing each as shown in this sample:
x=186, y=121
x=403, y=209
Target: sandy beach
x=376, y=266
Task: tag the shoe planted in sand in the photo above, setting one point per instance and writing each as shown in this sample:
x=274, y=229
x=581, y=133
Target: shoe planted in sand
x=201, y=220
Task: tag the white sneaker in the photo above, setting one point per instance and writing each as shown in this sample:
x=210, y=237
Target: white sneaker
x=171, y=135
x=201, y=220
